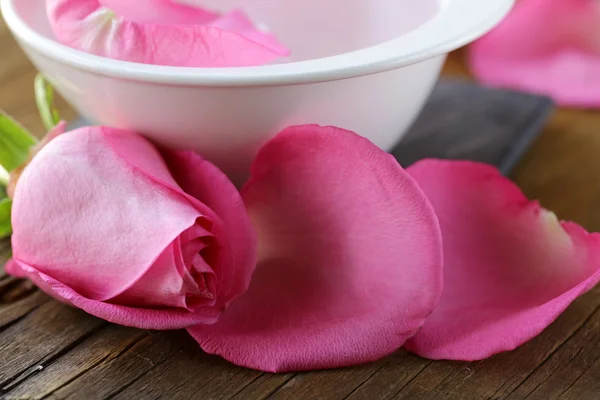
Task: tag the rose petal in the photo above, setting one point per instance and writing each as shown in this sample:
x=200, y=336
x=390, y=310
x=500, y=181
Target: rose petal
x=222, y=207
x=172, y=12
x=160, y=287
x=545, y=47
x=237, y=21
x=89, y=26
x=235, y=234
x=143, y=318
x=104, y=206
x=349, y=260
x=169, y=12
x=510, y=268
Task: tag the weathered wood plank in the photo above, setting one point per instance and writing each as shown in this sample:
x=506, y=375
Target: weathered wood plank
x=424, y=385
x=41, y=336
x=183, y=371
x=114, y=375
x=397, y=372
x=4, y=254
x=565, y=366
x=263, y=387
x=212, y=377
x=499, y=376
x=102, y=347
x=12, y=312
x=13, y=289
x=351, y=382
x=587, y=386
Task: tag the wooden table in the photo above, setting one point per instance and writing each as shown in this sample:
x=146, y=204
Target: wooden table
x=48, y=350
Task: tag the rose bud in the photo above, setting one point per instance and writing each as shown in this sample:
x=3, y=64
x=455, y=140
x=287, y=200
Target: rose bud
x=133, y=234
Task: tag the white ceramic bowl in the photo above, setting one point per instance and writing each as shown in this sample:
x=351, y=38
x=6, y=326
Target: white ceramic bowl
x=364, y=65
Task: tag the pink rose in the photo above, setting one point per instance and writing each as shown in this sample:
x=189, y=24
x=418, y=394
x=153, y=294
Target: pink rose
x=162, y=32
x=138, y=236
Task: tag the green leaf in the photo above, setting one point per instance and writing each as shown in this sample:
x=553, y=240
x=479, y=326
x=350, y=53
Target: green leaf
x=5, y=225
x=15, y=142
x=44, y=98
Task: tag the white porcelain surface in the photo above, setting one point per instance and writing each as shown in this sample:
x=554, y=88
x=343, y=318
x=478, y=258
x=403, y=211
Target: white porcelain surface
x=368, y=66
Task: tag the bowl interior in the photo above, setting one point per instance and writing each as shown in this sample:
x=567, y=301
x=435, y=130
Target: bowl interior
x=311, y=28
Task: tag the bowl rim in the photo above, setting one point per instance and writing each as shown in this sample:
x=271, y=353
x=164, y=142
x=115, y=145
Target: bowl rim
x=456, y=23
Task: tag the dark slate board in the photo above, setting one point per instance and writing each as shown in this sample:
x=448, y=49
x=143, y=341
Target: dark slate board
x=468, y=122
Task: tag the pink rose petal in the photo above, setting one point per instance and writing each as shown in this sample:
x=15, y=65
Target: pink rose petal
x=168, y=12
x=233, y=233
x=237, y=21
x=161, y=32
x=221, y=206
x=110, y=228
x=173, y=289
x=545, y=47
x=93, y=177
x=349, y=257
x=173, y=12
x=510, y=268
x=137, y=317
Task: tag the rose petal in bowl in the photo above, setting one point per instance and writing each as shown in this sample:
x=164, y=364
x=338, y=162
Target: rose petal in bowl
x=161, y=32
x=349, y=257
x=510, y=267
x=175, y=12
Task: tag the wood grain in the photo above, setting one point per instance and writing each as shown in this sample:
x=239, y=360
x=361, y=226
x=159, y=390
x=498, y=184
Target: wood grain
x=57, y=379
x=48, y=350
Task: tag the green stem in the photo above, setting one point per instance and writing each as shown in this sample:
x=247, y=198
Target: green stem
x=5, y=222
x=44, y=98
x=4, y=177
